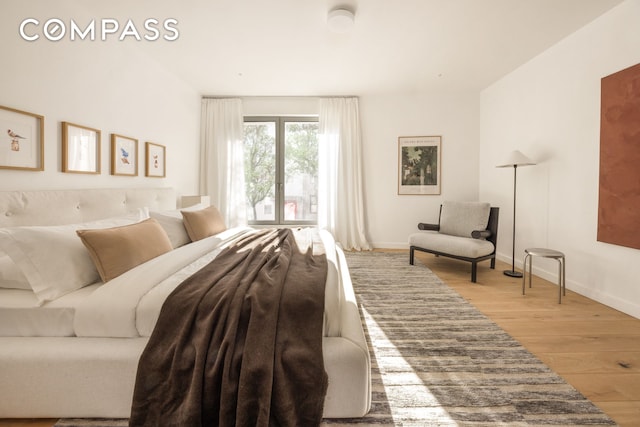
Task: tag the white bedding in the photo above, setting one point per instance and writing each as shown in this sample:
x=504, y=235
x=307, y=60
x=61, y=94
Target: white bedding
x=129, y=305
x=112, y=311
x=21, y=314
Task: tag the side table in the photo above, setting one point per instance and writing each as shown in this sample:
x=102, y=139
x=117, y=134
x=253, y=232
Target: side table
x=545, y=253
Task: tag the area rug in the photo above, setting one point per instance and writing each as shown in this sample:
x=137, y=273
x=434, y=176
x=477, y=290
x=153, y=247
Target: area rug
x=438, y=361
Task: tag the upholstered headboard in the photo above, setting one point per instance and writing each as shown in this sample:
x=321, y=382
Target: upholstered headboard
x=55, y=207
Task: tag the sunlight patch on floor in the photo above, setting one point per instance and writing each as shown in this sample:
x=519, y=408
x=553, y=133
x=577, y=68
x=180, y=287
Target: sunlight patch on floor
x=418, y=401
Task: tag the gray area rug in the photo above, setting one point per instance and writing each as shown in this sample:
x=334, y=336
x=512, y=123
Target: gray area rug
x=438, y=361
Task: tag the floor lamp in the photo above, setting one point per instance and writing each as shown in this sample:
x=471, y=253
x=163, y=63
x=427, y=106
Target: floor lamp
x=515, y=159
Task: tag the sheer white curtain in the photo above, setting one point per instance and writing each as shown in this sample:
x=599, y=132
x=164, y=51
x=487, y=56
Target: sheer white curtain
x=340, y=194
x=222, y=158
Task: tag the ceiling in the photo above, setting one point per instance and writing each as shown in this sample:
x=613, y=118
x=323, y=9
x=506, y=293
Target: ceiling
x=284, y=47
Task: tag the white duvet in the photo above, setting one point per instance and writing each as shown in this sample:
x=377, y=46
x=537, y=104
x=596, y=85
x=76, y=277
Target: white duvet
x=129, y=305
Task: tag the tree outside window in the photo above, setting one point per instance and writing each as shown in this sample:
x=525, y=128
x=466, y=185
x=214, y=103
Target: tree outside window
x=281, y=169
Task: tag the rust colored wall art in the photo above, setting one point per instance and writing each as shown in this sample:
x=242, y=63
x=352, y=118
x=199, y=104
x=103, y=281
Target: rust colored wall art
x=619, y=197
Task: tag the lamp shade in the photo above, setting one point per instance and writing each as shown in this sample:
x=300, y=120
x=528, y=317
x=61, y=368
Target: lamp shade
x=516, y=158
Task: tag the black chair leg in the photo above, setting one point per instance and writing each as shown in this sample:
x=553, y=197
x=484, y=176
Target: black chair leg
x=411, y=250
x=474, y=268
x=493, y=263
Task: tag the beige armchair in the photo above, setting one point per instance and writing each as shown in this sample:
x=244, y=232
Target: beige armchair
x=466, y=231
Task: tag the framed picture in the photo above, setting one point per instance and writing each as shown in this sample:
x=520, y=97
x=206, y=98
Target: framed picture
x=124, y=155
x=155, y=165
x=419, y=164
x=21, y=140
x=80, y=149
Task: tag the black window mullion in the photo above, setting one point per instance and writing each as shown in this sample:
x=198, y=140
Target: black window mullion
x=279, y=170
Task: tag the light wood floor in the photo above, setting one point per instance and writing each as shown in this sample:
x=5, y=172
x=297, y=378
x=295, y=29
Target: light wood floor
x=593, y=347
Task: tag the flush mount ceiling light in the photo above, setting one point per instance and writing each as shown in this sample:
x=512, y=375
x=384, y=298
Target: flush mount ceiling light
x=340, y=20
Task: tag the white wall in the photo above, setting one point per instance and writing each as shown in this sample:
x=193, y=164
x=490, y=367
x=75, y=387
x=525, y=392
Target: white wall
x=455, y=116
x=110, y=86
x=550, y=110
x=280, y=106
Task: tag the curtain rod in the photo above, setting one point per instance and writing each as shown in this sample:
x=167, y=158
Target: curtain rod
x=283, y=96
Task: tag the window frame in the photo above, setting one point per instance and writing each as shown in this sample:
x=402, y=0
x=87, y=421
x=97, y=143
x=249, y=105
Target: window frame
x=279, y=198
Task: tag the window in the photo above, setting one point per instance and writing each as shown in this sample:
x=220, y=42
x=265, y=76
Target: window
x=281, y=169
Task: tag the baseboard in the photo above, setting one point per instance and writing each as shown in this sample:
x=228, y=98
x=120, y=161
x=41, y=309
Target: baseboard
x=389, y=245
x=627, y=307
x=614, y=302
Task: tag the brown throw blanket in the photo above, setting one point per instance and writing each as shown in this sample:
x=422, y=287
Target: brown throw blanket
x=239, y=343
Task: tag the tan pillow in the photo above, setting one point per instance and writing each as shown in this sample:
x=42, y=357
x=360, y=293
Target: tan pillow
x=203, y=223
x=119, y=249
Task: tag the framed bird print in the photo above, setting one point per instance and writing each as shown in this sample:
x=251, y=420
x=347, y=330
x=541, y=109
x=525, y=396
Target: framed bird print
x=21, y=140
x=80, y=149
x=124, y=155
x=155, y=160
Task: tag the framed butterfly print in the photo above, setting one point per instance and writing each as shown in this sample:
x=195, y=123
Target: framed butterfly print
x=124, y=155
x=155, y=165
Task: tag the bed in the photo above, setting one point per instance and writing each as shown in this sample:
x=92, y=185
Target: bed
x=70, y=347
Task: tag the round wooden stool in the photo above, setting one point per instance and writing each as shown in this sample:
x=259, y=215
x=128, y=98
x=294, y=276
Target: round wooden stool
x=545, y=253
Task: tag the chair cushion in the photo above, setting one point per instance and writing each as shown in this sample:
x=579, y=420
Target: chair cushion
x=461, y=218
x=453, y=245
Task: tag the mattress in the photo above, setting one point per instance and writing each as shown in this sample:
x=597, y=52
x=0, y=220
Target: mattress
x=21, y=315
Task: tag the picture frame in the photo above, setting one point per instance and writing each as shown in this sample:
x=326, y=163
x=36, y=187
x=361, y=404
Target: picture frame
x=80, y=149
x=155, y=160
x=124, y=155
x=21, y=140
x=419, y=165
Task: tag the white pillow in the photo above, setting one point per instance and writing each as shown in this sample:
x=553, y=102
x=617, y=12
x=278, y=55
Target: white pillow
x=53, y=258
x=10, y=275
x=171, y=222
x=196, y=207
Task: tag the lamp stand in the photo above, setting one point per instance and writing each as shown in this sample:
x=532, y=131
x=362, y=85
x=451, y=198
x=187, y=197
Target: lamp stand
x=513, y=272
